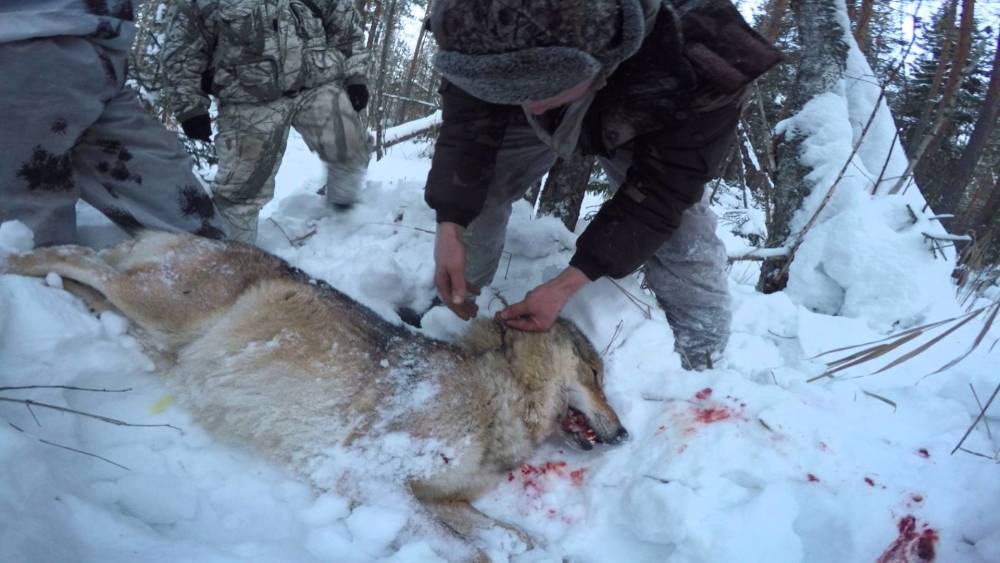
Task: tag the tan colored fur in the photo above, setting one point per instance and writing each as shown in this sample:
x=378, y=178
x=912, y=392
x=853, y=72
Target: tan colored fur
x=295, y=369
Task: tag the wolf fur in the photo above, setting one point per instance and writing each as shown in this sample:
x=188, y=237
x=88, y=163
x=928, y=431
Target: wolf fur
x=266, y=357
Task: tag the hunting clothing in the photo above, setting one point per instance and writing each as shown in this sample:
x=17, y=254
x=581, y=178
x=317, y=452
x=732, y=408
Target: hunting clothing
x=72, y=130
x=272, y=64
x=669, y=79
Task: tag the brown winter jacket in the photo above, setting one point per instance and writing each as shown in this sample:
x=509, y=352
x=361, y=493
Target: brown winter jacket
x=674, y=104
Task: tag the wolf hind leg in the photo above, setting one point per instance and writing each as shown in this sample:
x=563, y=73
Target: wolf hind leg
x=78, y=263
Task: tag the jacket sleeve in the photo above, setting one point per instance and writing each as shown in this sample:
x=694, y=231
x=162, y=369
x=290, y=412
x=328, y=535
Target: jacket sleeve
x=343, y=32
x=465, y=155
x=668, y=174
x=184, y=58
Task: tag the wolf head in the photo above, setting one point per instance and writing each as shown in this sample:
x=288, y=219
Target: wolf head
x=560, y=376
x=587, y=418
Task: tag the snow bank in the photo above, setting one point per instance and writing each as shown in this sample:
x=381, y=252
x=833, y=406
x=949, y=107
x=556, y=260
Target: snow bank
x=867, y=256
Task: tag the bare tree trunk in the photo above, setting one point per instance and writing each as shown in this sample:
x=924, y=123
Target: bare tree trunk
x=411, y=71
x=381, y=107
x=864, y=16
x=775, y=14
x=945, y=107
x=362, y=7
x=923, y=124
x=531, y=196
x=962, y=170
x=376, y=18
x=824, y=58
x=565, y=187
x=990, y=211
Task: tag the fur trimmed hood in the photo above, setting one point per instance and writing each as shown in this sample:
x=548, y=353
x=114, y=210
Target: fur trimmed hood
x=514, y=51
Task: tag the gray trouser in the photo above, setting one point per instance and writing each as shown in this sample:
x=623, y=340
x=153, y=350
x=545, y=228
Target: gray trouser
x=687, y=274
x=70, y=129
x=252, y=140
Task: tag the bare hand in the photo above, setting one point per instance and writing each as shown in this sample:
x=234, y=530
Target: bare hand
x=542, y=305
x=449, y=270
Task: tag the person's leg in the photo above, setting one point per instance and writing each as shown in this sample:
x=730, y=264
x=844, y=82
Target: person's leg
x=250, y=144
x=688, y=276
x=331, y=128
x=522, y=161
x=51, y=92
x=138, y=174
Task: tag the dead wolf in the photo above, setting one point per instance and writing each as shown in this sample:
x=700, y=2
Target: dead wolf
x=264, y=356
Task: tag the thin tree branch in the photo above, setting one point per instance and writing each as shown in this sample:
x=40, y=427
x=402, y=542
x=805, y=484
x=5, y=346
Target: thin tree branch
x=29, y=403
x=70, y=387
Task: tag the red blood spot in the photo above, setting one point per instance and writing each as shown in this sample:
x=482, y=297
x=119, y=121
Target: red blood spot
x=925, y=545
x=869, y=481
x=535, y=477
x=917, y=498
x=922, y=452
x=661, y=430
x=812, y=478
x=822, y=446
x=911, y=546
x=711, y=415
x=703, y=394
x=446, y=459
x=510, y=476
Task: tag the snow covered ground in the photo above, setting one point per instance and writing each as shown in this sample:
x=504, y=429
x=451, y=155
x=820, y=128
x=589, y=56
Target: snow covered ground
x=747, y=462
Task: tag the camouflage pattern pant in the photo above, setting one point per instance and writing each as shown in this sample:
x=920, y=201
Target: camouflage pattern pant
x=252, y=140
x=71, y=130
x=687, y=274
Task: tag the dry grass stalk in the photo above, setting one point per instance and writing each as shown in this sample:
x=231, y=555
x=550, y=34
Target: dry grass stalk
x=982, y=413
x=879, y=348
x=880, y=398
x=614, y=336
x=647, y=310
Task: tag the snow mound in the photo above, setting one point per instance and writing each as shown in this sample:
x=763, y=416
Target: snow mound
x=870, y=262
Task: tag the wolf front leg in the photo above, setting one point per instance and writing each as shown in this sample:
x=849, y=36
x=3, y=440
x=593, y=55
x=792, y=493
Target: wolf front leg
x=467, y=522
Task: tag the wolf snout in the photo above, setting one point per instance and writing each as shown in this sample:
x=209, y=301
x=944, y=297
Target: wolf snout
x=620, y=437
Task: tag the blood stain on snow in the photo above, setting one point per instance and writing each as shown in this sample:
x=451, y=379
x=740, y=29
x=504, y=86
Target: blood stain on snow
x=917, y=498
x=822, y=447
x=534, y=477
x=812, y=478
x=703, y=394
x=869, y=481
x=712, y=414
x=911, y=546
x=922, y=452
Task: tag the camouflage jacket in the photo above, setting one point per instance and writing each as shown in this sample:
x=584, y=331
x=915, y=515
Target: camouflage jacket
x=108, y=22
x=256, y=51
x=675, y=103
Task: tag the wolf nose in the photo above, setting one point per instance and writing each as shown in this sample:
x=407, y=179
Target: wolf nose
x=620, y=437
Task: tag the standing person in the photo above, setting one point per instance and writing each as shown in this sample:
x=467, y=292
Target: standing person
x=71, y=129
x=653, y=88
x=272, y=64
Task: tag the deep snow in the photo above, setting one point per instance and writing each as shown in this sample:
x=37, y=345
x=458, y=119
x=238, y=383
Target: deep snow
x=746, y=462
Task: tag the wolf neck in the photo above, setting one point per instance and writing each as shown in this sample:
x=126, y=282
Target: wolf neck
x=524, y=406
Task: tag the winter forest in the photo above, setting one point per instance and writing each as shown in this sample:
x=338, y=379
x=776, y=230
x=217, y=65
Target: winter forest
x=851, y=418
